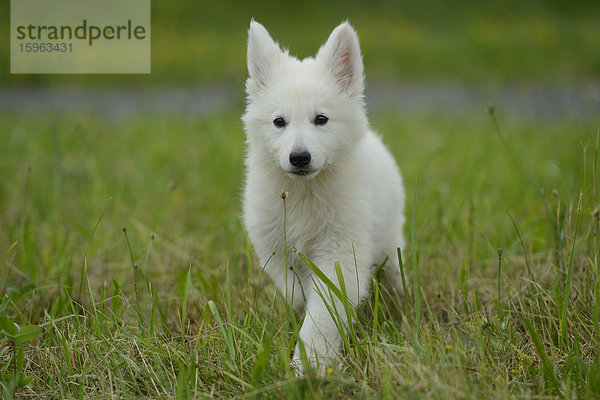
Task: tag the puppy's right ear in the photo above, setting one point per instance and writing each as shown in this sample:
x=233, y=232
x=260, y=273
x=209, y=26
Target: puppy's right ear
x=263, y=54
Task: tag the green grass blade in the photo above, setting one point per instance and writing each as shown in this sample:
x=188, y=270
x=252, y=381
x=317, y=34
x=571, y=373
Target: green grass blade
x=522, y=246
x=226, y=334
x=186, y=292
x=415, y=270
x=499, y=252
x=549, y=373
x=562, y=338
x=4, y=257
x=138, y=310
x=330, y=285
x=330, y=304
x=260, y=365
x=376, y=307
x=348, y=308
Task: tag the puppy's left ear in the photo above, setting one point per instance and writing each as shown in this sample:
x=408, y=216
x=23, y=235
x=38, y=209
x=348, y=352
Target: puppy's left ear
x=342, y=57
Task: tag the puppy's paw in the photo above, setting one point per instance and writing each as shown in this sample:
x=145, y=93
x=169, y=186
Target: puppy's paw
x=320, y=365
x=297, y=367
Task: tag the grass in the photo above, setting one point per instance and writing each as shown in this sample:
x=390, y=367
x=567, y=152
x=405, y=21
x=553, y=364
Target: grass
x=178, y=306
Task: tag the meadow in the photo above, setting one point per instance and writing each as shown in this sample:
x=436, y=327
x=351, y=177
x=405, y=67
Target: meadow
x=125, y=272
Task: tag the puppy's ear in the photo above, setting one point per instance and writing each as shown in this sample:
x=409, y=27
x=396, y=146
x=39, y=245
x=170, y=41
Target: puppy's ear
x=263, y=54
x=341, y=56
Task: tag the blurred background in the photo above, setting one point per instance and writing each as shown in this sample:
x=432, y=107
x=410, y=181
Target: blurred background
x=535, y=57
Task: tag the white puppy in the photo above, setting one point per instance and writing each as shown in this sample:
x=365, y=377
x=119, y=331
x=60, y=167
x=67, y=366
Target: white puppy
x=309, y=141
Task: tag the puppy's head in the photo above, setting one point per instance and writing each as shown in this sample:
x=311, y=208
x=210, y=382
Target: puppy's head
x=304, y=114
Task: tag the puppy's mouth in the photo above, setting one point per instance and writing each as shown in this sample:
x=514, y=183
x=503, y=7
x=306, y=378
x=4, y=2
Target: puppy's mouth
x=302, y=173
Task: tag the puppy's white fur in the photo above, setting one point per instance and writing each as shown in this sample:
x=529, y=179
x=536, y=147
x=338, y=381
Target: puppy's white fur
x=345, y=205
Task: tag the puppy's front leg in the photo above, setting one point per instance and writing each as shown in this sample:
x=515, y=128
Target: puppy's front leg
x=326, y=319
x=320, y=334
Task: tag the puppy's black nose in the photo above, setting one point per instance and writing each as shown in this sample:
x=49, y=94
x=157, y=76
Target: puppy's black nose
x=300, y=159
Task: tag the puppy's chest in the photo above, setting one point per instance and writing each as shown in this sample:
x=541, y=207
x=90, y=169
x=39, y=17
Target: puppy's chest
x=301, y=224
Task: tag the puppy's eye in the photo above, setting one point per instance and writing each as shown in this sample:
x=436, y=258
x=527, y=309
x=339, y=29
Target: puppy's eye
x=321, y=119
x=279, y=122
